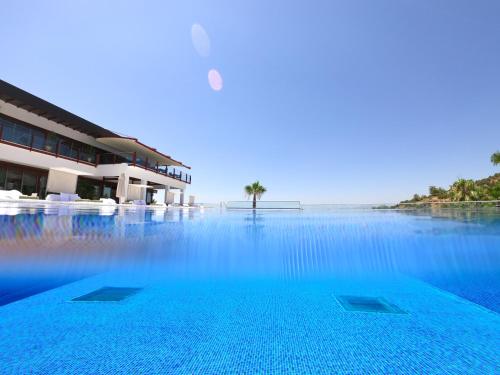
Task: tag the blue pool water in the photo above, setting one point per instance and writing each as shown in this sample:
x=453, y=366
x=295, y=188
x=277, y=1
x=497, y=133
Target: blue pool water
x=318, y=291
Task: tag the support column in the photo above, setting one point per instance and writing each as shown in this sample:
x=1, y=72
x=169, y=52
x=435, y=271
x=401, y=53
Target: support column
x=181, y=202
x=126, y=181
x=167, y=189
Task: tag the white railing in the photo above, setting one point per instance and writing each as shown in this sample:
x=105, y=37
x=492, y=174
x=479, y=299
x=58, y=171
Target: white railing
x=494, y=202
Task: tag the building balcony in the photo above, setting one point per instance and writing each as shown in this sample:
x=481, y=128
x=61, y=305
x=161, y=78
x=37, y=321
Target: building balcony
x=65, y=150
x=32, y=138
x=132, y=159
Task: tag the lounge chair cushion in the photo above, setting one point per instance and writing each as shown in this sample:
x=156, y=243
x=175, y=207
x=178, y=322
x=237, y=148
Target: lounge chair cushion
x=108, y=201
x=53, y=198
x=10, y=194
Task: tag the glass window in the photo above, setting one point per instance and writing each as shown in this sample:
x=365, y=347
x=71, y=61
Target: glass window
x=87, y=153
x=17, y=133
x=151, y=164
x=3, y=125
x=38, y=139
x=14, y=179
x=106, y=192
x=128, y=157
x=51, y=143
x=3, y=174
x=88, y=189
x=122, y=158
x=74, y=150
x=107, y=158
x=23, y=135
x=42, y=188
x=140, y=160
x=29, y=183
x=65, y=148
x=8, y=131
x=149, y=196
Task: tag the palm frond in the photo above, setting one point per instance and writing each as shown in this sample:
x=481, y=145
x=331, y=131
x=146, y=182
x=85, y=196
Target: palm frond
x=255, y=189
x=248, y=190
x=495, y=158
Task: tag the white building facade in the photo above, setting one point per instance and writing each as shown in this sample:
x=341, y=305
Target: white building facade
x=46, y=149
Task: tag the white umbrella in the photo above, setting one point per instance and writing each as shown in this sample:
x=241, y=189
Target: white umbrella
x=121, y=189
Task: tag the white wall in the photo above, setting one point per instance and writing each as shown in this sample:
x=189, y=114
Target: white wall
x=40, y=160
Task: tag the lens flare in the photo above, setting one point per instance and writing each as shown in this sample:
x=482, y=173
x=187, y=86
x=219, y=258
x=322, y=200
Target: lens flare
x=200, y=39
x=215, y=80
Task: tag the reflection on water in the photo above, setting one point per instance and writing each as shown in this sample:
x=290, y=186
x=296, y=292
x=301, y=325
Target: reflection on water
x=62, y=221
x=456, y=251
x=481, y=216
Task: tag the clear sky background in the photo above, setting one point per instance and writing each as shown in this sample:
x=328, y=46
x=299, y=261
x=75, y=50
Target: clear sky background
x=322, y=101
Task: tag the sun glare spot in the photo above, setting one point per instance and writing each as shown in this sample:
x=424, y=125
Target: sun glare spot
x=215, y=80
x=200, y=39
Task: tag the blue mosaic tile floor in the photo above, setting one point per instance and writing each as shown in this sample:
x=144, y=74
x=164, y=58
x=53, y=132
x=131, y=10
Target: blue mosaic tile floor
x=251, y=327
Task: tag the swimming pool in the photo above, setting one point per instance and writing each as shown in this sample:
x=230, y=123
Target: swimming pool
x=320, y=291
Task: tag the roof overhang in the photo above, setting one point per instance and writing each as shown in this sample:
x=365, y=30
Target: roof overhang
x=31, y=103
x=127, y=144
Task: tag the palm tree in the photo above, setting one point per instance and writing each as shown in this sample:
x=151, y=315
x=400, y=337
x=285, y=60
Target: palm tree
x=495, y=158
x=464, y=190
x=256, y=190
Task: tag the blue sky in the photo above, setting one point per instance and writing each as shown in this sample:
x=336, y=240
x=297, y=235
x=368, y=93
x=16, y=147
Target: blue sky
x=323, y=101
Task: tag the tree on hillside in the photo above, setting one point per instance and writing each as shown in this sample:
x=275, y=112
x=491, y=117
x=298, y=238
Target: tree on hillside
x=255, y=190
x=438, y=192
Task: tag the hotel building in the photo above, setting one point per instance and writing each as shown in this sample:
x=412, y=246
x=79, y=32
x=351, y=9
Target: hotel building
x=46, y=149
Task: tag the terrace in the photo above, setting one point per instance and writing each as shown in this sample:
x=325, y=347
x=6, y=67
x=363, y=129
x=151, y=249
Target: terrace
x=19, y=134
x=135, y=160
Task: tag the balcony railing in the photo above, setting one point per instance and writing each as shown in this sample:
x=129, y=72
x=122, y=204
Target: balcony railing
x=131, y=158
x=63, y=149
x=39, y=142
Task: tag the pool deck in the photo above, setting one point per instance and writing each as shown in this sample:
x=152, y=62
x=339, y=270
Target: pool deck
x=251, y=327
x=40, y=203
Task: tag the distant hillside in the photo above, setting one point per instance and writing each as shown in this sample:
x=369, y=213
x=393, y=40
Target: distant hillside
x=490, y=181
x=462, y=190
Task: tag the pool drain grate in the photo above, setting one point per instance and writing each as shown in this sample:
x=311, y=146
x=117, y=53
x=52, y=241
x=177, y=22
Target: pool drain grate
x=368, y=304
x=107, y=294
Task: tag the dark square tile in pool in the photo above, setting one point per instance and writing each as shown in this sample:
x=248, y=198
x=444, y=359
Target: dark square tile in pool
x=107, y=294
x=368, y=304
